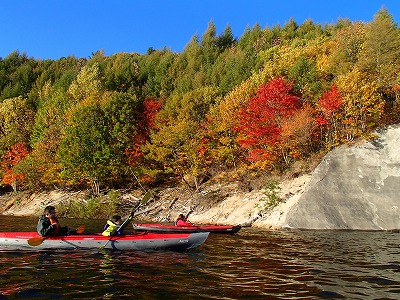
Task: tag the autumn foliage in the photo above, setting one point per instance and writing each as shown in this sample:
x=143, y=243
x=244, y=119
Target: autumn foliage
x=10, y=160
x=330, y=116
x=262, y=119
x=145, y=123
x=271, y=99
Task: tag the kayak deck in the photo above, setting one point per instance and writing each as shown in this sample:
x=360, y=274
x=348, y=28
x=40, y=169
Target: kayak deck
x=132, y=241
x=152, y=227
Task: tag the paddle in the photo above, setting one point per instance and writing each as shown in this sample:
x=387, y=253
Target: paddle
x=38, y=240
x=144, y=200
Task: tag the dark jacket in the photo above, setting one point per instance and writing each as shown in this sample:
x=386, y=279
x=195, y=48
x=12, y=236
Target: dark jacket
x=45, y=228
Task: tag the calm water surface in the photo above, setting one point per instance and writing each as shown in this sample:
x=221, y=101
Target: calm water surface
x=253, y=264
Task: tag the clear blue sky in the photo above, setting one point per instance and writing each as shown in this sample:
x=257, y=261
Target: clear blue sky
x=57, y=28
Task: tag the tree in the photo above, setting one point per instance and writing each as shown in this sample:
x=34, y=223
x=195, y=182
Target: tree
x=19, y=75
x=10, y=160
x=305, y=77
x=255, y=40
x=83, y=152
x=121, y=113
x=209, y=45
x=226, y=40
x=175, y=144
x=96, y=136
x=146, y=123
x=298, y=137
x=16, y=121
x=87, y=82
x=289, y=30
x=331, y=115
x=362, y=104
x=187, y=68
x=122, y=73
x=262, y=119
x=156, y=73
x=58, y=73
x=219, y=138
x=381, y=50
x=348, y=43
x=42, y=167
x=308, y=30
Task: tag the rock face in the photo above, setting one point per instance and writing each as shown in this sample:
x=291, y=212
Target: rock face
x=355, y=187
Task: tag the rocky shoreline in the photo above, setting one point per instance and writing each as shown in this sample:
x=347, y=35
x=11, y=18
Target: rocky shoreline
x=223, y=204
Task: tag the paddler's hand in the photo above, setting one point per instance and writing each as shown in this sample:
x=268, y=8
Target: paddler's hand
x=54, y=221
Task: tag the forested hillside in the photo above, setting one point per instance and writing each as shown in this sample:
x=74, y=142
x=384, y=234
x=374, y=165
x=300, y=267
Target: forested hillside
x=258, y=102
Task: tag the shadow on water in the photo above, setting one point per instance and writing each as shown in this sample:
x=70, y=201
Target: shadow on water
x=253, y=264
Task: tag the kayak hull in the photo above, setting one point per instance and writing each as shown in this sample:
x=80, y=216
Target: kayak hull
x=134, y=241
x=181, y=229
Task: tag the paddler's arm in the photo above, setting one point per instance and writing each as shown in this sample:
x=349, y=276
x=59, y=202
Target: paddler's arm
x=45, y=228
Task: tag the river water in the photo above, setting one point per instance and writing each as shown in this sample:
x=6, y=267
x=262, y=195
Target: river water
x=253, y=264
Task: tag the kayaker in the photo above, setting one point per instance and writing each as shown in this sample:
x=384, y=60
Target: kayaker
x=182, y=221
x=113, y=226
x=49, y=225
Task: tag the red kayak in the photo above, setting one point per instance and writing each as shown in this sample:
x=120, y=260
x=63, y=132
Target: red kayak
x=201, y=228
x=134, y=241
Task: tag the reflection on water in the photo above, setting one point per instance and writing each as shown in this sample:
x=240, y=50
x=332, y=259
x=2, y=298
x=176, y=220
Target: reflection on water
x=250, y=265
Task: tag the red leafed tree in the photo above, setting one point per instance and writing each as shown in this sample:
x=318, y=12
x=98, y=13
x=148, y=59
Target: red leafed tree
x=151, y=107
x=261, y=120
x=10, y=160
x=330, y=101
x=330, y=104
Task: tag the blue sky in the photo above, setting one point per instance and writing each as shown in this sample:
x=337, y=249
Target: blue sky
x=53, y=29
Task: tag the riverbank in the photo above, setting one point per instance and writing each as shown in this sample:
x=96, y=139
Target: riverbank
x=216, y=203
x=353, y=187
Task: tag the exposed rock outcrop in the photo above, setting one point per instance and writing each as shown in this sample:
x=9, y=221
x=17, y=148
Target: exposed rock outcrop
x=355, y=187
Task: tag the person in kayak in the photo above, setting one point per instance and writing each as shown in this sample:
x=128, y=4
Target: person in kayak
x=113, y=226
x=182, y=221
x=48, y=224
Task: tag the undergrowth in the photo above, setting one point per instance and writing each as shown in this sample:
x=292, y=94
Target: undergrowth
x=101, y=207
x=272, y=198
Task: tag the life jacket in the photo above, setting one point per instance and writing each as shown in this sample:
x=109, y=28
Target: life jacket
x=183, y=223
x=111, y=228
x=54, y=221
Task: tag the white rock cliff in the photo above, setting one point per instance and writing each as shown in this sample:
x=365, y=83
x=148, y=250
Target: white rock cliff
x=355, y=187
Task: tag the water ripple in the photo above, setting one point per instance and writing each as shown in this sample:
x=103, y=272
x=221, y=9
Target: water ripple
x=250, y=265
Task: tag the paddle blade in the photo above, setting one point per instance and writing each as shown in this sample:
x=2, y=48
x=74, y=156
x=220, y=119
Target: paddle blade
x=80, y=229
x=145, y=198
x=35, y=241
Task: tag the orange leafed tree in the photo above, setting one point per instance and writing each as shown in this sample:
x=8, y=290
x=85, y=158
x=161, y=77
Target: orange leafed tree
x=10, y=160
x=299, y=135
